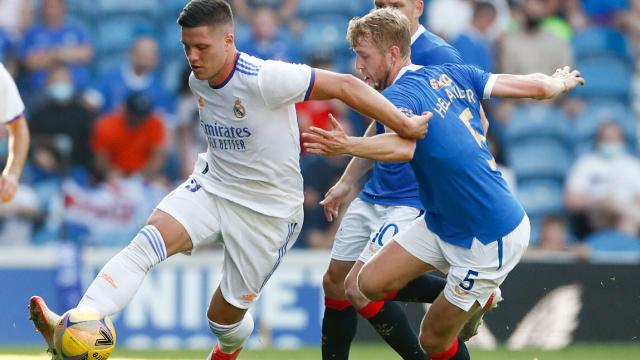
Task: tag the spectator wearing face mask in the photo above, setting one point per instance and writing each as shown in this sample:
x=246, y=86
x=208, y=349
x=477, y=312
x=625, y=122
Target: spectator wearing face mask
x=604, y=184
x=63, y=120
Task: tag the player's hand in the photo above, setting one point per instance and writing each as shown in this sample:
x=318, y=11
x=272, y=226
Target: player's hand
x=570, y=78
x=8, y=187
x=333, y=199
x=418, y=126
x=327, y=142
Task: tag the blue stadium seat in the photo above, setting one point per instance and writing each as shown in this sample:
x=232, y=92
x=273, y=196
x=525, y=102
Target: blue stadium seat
x=543, y=159
x=600, y=41
x=535, y=122
x=607, y=78
x=309, y=9
x=172, y=8
x=170, y=42
x=149, y=8
x=541, y=197
x=115, y=34
x=597, y=113
x=324, y=33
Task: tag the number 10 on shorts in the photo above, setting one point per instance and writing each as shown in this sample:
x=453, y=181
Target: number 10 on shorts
x=468, y=281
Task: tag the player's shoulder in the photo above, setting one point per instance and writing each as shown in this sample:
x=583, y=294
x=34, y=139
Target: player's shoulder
x=249, y=65
x=430, y=49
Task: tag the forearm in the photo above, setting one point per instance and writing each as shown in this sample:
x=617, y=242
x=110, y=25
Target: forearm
x=18, y=147
x=360, y=97
x=383, y=147
x=75, y=54
x=535, y=86
x=357, y=167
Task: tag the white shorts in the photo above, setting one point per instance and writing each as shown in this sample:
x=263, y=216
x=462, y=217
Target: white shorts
x=472, y=274
x=366, y=227
x=254, y=243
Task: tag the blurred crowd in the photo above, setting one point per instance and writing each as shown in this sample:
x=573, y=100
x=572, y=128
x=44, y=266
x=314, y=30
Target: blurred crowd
x=115, y=125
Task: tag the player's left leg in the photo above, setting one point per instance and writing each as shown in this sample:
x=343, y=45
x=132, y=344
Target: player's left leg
x=254, y=246
x=472, y=283
x=386, y=317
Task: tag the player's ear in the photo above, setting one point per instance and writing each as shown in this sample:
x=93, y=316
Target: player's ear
x=395, y=53
x=419, y=7
x=229, y=39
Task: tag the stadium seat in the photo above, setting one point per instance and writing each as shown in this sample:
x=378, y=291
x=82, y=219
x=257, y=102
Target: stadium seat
x=542, y=159
x=172, y=8
x=537, y=122
x=607, y=78
x=119, y=7
x=600, y=41
x=324, y=33
x=541, y=197
x=309, y=9
x=116, y=34
x=597, y=113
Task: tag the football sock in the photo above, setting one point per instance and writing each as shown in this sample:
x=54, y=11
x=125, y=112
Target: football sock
x=339, y=326
x=457, y=351
x=232, y=337
x=120, y=278
x=391, y=323
x=423, y=289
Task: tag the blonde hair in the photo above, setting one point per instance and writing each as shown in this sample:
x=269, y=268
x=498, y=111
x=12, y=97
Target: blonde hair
x=385, y=27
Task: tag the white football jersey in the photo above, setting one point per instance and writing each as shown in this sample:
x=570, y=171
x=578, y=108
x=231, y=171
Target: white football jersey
x=11, y=105
x=249, y=121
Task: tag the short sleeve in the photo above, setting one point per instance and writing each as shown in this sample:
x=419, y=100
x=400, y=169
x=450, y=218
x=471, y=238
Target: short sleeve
x=481, y=81
x=283, y=83
x=11, y=105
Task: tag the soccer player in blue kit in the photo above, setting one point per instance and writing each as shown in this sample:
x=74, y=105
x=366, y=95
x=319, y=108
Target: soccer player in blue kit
x=387, y=204
x=473, y=228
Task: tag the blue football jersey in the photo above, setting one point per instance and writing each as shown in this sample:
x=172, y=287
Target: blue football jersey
x=464, y=195
x=394, y=184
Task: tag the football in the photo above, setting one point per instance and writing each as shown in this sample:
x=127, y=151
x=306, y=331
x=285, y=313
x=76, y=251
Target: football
x=82, y=334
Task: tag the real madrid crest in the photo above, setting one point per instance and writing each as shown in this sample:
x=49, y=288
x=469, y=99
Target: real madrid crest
x=239, y=110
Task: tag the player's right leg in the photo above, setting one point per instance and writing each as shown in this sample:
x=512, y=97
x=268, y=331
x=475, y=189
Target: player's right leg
x=340, y=320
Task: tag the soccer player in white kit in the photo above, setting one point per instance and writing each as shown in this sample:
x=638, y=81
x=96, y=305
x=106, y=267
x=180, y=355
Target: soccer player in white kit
x=12, y=115
x=246, y=190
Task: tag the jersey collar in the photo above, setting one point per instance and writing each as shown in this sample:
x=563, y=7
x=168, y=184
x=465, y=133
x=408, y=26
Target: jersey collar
x=417, y=34
x=233, y=70
x=412, y=67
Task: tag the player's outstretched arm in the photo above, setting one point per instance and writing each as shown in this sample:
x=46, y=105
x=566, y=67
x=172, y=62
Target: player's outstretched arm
x=384, y=147
x=537, y=86
x=364, y=99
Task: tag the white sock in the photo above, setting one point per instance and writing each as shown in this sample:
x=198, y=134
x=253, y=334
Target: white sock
x=120, y=278
x=232, y=337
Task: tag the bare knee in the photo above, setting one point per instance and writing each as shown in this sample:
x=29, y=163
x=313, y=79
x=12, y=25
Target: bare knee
x=222, y=312
x=353, y=292
x=432, y=341
x=369, y=286
x=174, y=235
x=333, y=281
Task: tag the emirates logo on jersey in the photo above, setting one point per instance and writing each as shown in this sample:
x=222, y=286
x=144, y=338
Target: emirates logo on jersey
x=238, y=110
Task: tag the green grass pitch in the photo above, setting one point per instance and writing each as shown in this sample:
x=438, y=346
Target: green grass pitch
x=363, y=352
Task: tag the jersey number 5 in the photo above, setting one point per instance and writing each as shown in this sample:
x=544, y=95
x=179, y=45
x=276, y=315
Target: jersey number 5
x=466, y=116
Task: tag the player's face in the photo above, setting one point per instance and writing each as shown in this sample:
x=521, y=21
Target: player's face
x=412, y=9
x=373, y=64
x=207, y=48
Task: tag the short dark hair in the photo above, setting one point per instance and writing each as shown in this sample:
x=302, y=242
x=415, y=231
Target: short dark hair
x=484, y=7
x=205, y=13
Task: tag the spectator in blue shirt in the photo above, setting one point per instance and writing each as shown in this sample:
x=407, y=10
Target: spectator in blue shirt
x=54, y=41
x=137, y=75
x=474, y=44
x=265, y=41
